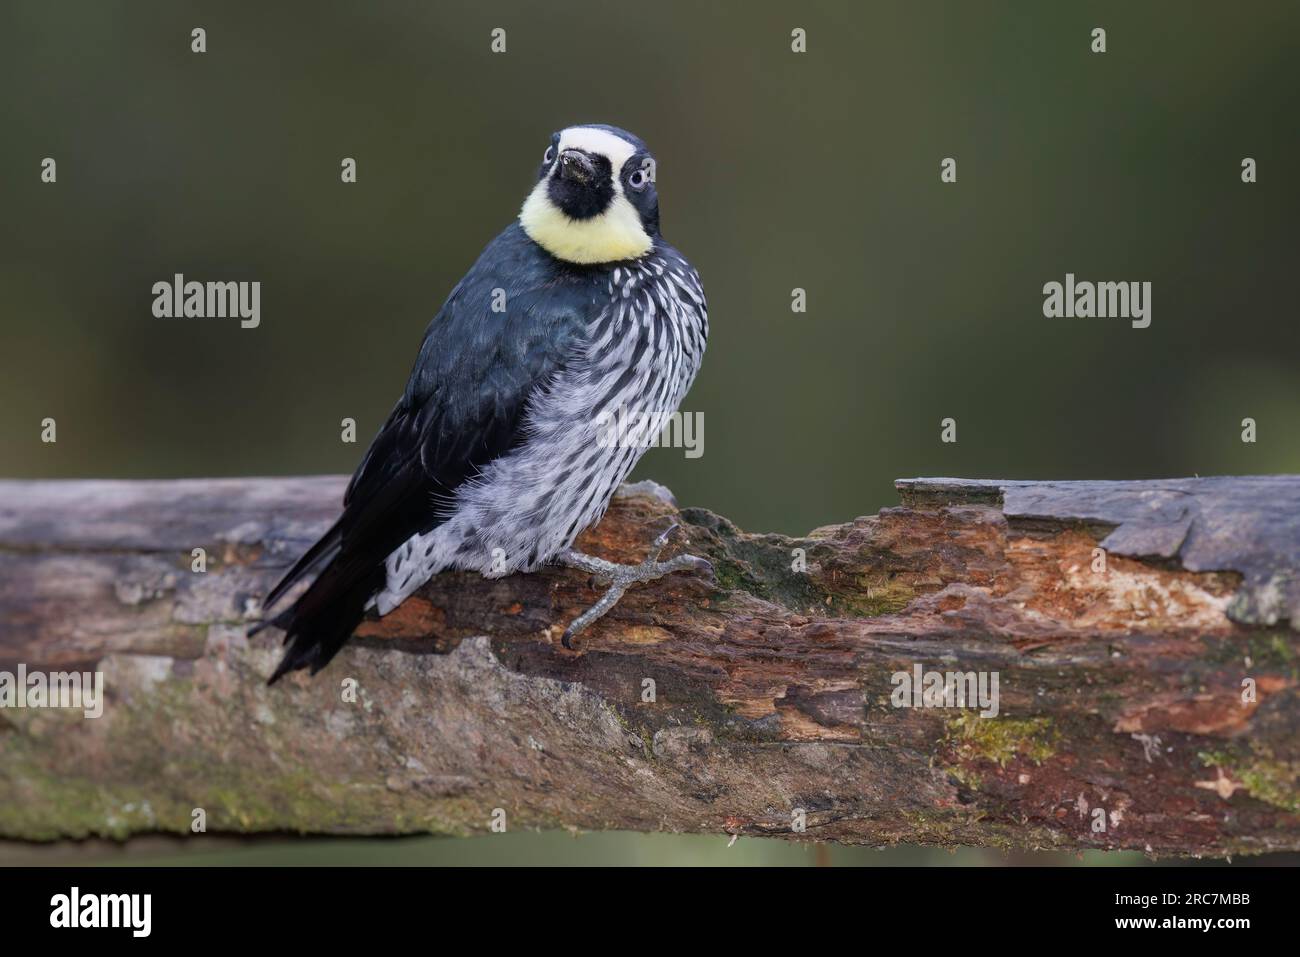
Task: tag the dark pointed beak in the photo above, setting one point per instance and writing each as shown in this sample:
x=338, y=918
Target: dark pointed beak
x=576, y=167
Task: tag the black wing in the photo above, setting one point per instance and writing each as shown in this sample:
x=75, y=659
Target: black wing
x=462, y=408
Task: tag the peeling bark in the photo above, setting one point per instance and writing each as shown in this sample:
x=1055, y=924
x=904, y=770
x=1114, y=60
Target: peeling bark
x=1122, y=721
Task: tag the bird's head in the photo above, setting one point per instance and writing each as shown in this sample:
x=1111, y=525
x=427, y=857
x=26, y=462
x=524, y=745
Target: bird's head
x=595, y=199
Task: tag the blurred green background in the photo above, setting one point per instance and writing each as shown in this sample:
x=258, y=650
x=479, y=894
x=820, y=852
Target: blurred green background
x=776, y=170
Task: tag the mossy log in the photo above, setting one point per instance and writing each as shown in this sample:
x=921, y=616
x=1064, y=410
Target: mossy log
x=1147, y=674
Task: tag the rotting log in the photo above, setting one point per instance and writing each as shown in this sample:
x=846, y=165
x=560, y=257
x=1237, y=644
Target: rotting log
x=1148, y=692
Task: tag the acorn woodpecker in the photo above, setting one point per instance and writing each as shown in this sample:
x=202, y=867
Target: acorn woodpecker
x=500, y=452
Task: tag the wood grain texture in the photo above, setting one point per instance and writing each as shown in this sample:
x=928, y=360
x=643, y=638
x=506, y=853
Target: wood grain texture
x=1122, y=721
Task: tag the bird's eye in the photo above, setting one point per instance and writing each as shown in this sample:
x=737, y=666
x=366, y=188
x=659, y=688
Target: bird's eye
x=549, y=155
x=639, y=179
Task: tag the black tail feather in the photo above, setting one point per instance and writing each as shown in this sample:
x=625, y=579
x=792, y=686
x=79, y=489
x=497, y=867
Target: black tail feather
x=350, y=558
x=321, y=621
x=327, y=549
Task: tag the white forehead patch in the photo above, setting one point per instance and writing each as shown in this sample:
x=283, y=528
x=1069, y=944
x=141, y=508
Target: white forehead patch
x=616, y=149
x=614, y=235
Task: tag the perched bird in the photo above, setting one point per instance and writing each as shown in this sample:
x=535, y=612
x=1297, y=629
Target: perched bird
x=499, y=452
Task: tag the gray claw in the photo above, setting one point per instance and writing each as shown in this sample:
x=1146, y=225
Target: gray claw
x=662, y=541
x=703, y=566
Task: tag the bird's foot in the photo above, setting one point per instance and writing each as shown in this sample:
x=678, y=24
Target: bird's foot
x=620, y=577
